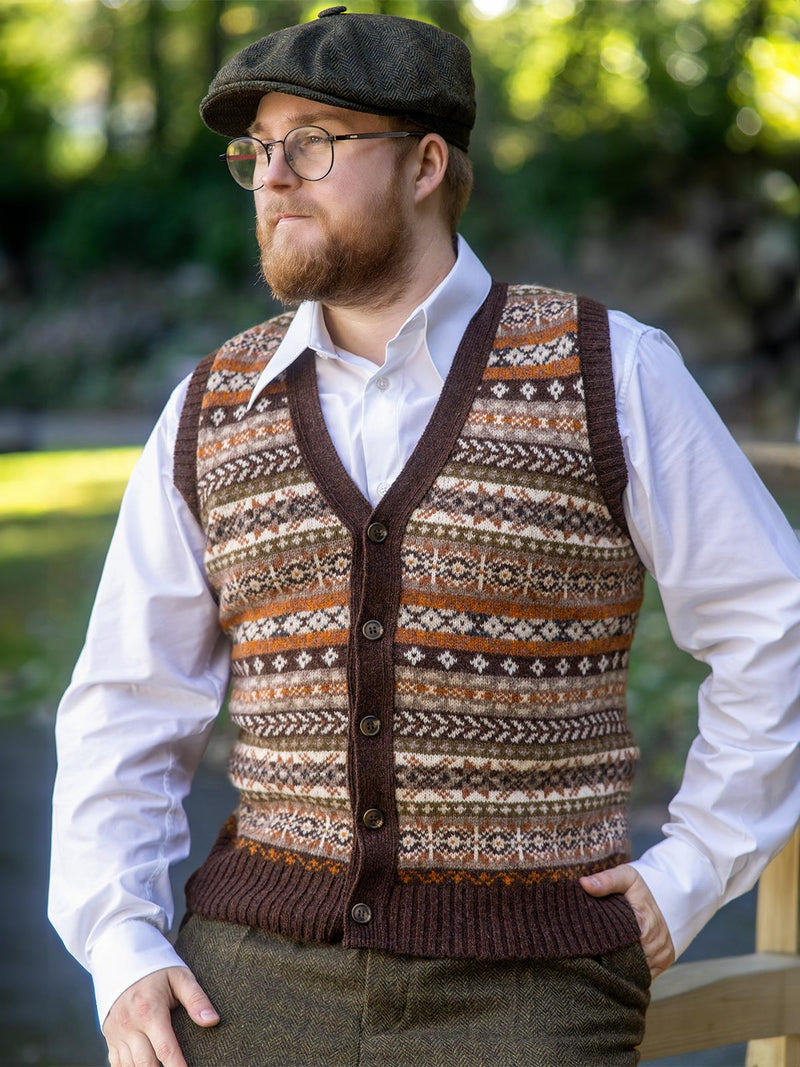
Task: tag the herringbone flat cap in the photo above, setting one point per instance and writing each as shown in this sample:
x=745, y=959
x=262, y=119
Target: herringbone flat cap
x=381, y=64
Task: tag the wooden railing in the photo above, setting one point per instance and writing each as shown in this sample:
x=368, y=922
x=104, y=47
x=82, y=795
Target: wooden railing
x=753, y=998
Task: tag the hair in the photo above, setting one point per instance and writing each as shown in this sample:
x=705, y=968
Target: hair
x=457, y=182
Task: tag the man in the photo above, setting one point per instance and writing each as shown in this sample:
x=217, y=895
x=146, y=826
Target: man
x=409, y=522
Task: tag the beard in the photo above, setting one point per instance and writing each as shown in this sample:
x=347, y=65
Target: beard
x=358, y=260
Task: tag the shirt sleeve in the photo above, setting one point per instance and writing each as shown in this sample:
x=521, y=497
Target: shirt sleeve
x=727, y=564
x=131, y=729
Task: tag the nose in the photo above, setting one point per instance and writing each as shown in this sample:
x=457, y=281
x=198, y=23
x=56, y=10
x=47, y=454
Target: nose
x=277, y=173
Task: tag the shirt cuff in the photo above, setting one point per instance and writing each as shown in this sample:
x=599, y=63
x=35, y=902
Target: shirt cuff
x=124, y=954
x=685, y=887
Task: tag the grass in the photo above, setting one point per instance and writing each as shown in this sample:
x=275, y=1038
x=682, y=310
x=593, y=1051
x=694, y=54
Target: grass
x=57, y=513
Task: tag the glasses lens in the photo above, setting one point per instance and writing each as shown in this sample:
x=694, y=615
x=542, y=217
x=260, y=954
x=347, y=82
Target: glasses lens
x=246, y=161
x=309, y=152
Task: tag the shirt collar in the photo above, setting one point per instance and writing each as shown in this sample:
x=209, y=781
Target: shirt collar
x=444, y=315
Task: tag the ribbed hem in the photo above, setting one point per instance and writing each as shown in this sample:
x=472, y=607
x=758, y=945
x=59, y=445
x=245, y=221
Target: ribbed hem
x=287, y=897
x=545, y=921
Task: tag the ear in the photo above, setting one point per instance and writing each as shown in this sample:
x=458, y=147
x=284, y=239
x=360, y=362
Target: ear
x=431, y=163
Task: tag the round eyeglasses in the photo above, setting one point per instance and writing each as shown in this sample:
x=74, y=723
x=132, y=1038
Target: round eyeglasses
x=308, y=151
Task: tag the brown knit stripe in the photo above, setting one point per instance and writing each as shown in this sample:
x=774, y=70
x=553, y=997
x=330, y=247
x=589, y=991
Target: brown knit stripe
x=601, y=410
x=184, y=464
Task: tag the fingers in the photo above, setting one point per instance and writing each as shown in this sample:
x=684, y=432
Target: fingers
x=188, y=991
x=655, y=935
x=614, y=880
x=138, y=1028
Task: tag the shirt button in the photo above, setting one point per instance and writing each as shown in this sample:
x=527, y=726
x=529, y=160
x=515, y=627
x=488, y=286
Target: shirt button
x=370, y=725
x=373, y=818
x=372, y=630
x=383, y=488
x=362, y=913
x=382, y=384
x=377, y=532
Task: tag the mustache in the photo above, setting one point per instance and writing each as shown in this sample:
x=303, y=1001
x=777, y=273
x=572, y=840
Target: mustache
x=281, y=207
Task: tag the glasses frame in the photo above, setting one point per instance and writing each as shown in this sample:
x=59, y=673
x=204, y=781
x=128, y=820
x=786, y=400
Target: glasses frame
x=269, y=148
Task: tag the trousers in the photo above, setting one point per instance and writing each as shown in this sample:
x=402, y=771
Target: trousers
x=288, y=1004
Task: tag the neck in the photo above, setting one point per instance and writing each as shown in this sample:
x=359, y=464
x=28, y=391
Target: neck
x=366, y=329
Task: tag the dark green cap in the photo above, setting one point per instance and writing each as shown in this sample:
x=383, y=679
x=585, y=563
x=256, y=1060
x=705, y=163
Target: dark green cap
x=381, y=64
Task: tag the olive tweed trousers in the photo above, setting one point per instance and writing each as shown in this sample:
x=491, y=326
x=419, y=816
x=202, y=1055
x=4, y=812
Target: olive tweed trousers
x=287, y=1004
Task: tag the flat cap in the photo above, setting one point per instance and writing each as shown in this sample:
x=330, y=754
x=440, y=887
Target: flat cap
x=381, y=64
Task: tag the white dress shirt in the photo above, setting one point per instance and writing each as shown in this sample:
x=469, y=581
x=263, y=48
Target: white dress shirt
x=153, y=673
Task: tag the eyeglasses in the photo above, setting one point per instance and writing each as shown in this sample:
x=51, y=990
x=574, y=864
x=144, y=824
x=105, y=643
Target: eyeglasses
x=308, y=151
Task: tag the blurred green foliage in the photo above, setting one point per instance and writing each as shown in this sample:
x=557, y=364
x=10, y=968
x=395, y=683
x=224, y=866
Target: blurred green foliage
x=57, y=512
x=119, y=225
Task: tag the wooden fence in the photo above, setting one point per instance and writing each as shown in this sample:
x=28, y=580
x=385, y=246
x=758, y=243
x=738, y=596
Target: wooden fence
x=753, y=998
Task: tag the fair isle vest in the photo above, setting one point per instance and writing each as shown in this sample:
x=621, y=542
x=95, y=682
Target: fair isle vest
x=430, y=693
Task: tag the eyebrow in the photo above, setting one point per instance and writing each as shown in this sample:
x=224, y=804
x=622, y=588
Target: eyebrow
x=301, y=118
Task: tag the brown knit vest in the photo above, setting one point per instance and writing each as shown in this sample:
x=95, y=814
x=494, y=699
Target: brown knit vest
x=431, y=692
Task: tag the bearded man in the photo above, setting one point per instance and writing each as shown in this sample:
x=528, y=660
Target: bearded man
x=409, y=522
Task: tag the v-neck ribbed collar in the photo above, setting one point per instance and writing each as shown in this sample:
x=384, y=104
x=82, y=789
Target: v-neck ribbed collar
x=434, y=446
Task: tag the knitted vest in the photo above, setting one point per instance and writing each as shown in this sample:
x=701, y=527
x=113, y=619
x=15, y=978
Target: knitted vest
x=430, y=693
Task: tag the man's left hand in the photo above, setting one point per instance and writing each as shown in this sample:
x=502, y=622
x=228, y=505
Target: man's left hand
x=656, y=940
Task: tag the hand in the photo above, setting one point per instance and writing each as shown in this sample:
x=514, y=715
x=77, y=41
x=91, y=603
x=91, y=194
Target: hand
x=138, y=1030
x=656, y=940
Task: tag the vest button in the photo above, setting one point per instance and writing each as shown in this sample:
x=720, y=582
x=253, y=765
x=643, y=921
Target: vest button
x=377, y=532
x=362, y=913
x=373, y=818
x=370, y=725
x=372, y=630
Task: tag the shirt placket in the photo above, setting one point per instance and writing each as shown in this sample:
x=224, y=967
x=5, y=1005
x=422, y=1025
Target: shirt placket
x=379, y=431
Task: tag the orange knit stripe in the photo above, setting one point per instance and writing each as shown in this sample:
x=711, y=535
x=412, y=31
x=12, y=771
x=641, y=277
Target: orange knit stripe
x=275, y=691
x=517, y=420
x=226, y=400
x=303, y=601
x=559, y=368
x=279, y=855
x=452, y=601
x=241, y=365
x=535, y=337
x=290, y=644
x=273, y=429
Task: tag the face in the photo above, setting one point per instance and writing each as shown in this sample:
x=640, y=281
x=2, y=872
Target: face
x=343, y=240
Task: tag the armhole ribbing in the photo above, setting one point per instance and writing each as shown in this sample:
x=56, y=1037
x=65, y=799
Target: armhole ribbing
x=594, y=343
x=184, y=460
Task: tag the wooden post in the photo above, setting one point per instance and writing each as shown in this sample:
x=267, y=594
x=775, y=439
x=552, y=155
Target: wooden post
x=778, y=930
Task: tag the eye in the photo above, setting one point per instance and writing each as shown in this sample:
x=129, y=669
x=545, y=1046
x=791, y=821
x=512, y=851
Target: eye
x=310, y=140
